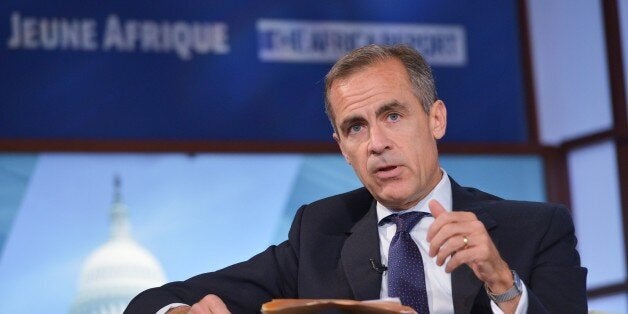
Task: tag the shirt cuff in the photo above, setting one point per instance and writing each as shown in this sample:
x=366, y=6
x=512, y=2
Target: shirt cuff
x=170, y=306
x=522, y=307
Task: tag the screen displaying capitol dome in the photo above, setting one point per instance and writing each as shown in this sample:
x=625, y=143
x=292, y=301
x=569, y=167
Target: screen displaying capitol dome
x=118, y=270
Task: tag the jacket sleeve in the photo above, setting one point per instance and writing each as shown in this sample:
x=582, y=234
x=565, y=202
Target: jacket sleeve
x=557, y=283
x=244, y=287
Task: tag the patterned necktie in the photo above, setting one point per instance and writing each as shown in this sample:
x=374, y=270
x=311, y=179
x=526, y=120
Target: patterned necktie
x=406, y=278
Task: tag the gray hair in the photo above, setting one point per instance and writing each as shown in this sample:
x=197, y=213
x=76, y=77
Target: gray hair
x=419, y=72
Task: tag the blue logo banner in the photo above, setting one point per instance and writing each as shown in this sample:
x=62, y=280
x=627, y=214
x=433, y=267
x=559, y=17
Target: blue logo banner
x=242, y=70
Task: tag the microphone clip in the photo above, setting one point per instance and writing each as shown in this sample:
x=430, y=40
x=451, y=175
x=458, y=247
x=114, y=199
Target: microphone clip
x=377, y=266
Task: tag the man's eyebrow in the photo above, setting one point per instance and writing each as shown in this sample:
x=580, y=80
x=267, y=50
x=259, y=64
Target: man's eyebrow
x=391, y=106
x=350, y=120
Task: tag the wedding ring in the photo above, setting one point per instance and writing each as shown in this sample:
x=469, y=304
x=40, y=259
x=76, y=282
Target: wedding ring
x=466, y=242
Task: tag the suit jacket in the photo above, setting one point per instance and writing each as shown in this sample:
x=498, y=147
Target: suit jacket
x=331, y=242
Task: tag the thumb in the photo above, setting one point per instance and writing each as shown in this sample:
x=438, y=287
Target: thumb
x=436, y=208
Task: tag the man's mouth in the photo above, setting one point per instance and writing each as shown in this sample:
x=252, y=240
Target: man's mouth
x=387, y=172
x=387, y=168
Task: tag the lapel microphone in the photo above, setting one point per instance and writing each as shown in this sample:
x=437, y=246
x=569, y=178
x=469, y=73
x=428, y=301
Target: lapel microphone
x=378, y=266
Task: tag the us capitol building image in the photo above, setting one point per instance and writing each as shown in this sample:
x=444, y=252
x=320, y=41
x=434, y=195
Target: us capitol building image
x=117, y=270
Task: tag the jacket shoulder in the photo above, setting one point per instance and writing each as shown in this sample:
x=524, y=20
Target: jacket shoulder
x=353, y=198
x=340, y=211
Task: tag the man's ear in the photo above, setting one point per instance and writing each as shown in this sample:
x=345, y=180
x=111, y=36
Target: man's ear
x=337, y=139
x=438, y=119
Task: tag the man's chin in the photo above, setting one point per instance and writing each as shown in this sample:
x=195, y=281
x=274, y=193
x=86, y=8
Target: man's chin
x=395, y=202
x=393, y=194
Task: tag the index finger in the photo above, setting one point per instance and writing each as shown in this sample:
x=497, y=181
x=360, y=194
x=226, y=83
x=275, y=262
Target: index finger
x=436, y=209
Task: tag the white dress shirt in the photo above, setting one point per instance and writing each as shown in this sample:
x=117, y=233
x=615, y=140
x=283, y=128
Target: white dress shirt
x=437, y=281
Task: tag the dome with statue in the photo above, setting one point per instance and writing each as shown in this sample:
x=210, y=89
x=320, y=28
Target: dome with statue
x=118, y=270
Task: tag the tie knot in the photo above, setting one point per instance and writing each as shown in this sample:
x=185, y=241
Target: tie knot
x=406, y=221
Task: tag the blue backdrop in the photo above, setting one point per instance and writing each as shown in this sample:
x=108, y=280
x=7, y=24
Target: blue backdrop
x=240, y=70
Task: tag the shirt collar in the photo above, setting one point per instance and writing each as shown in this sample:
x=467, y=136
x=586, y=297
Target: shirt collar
x=441, y=193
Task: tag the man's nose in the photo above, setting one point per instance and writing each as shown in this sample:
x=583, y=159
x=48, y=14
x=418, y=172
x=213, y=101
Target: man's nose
x=378, y=141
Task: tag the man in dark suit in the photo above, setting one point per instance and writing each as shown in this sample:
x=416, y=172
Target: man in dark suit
x=477, y=253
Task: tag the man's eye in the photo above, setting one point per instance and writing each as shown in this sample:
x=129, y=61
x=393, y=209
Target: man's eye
x=393, y=116
x=355, y=128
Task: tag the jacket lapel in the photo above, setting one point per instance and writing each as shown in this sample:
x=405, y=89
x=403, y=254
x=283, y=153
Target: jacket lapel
x=465, y=285
x=361, y=246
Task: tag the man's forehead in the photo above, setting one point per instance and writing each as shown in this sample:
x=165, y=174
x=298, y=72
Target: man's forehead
x=377, y=108
x=352, y=84
x=383, y=80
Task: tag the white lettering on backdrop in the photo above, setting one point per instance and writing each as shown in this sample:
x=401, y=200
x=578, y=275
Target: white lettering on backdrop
x=326, y=41
x=183, y=38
